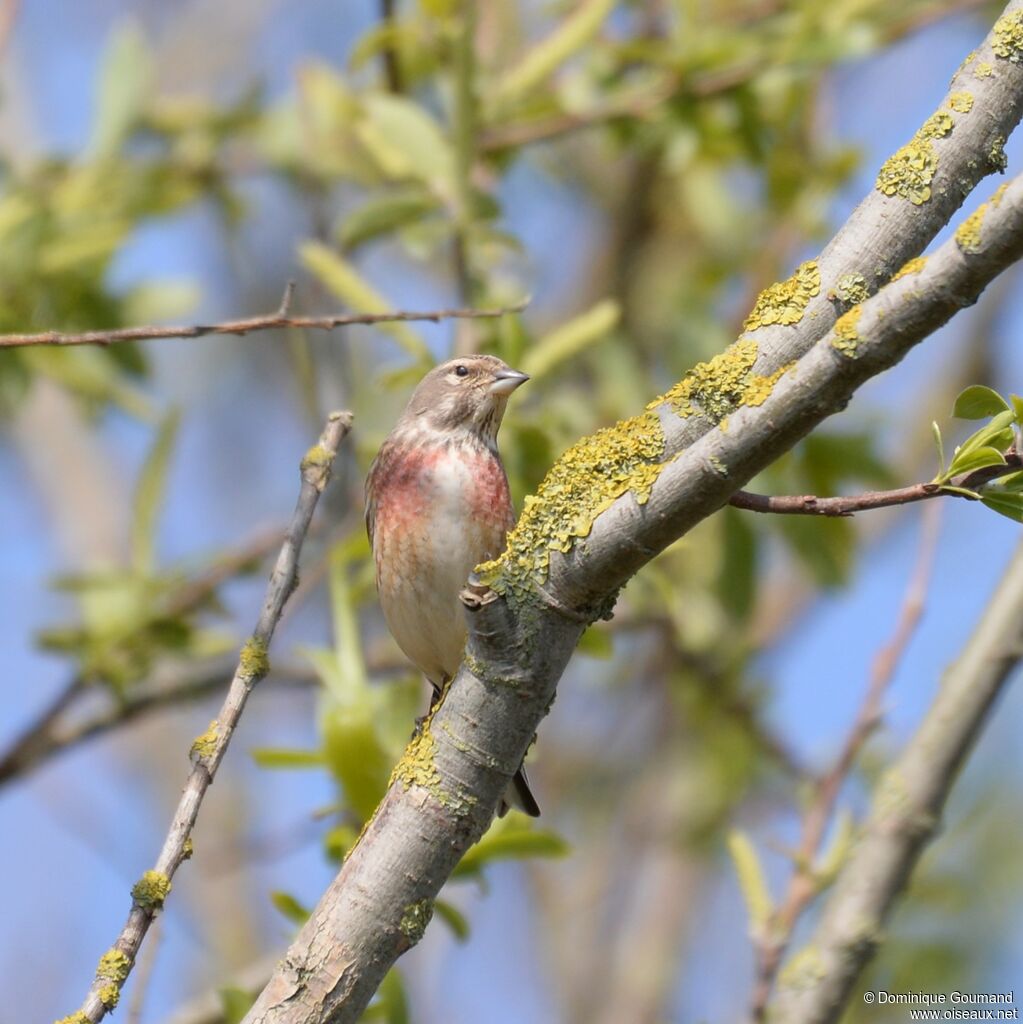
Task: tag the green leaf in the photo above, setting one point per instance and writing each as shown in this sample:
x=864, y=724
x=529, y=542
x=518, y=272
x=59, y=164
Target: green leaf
x=1009, y=482
x=338, y=841
x=1008, y=504
x=406, y=142
x=290, y=907
x=1017, y=408
x=453, y=918
x=124, y=86
x=383, y=214
x=510, y=838
x=391, y=1004
x=355, y=753
x=235, y=1003
x=939, y=445
x=974, y=459
x=343, y=280
x=978, y=401
x=281, y=757
x=752, y=882
x=964, y=492
x=596, y=643
x=571, y=338
x=149, y=494
x=550, y=53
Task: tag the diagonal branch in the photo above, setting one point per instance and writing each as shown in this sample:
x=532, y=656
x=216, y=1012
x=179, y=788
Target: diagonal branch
x=270, y=321
x=208, y=750
x=587, y=531
x=905, y=815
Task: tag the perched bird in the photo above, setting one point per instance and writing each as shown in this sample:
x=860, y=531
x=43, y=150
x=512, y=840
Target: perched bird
x=438, y=504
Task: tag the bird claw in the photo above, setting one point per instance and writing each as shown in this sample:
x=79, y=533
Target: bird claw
x=476, y=596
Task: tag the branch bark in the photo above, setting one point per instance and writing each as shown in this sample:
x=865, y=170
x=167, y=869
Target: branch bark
x=208, y=750
x=444, y=790
x=270, y=321
x=905, y=815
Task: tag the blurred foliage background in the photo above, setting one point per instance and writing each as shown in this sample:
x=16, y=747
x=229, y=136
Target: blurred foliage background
x=641, y=170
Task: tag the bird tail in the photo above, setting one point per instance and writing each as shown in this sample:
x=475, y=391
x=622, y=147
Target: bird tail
x=518, y=796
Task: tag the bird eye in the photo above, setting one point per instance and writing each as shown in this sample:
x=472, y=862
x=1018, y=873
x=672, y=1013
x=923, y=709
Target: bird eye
x=462, y=371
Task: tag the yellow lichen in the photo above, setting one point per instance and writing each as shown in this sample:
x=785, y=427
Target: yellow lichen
x=714, y=388
x=937, y=126
x=113, y=965
x=760, y=387
x=317, y=457
x=851, y=288
x=75, y=1018
x=803, y=970
x=585, y=481
x=151, y=890
x=909, y=172
x=846, y=333
x=961, y=102
x=109, y=995
x=968, y=234
x=253, y=660
x=913, y=266
x=205, y=744
x=785, y=302
x=984, y=69
x=415, y=919
x=188, y=849
x=1008, y=32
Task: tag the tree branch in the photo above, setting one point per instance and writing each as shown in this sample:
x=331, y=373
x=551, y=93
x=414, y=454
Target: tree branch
x=270, y=321
x=905, y=814
x=208, y=750
x=811, y=505
x=721, y=425
x=804, y=884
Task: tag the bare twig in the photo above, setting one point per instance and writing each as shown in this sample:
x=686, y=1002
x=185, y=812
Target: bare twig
x=905, y=814
x=208, y=750
x=31, y=743
x=271, y=321
x=811, y=505
x=804, y=884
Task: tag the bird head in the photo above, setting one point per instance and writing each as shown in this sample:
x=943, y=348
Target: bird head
x=467, y=394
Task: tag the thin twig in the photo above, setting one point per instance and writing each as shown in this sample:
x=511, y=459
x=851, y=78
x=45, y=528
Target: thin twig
x=31, y=743
x=143, y=976
x=804, y=884
x=267, y=322
x=811, y=505
x=209, y=749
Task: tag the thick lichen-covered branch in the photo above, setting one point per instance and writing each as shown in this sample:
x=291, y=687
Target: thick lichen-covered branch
x=154, y=886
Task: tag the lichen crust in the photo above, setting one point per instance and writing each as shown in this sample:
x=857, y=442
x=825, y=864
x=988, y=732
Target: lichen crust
x=205, y=744
x=961, y=102
x=113, y=965
x=585, y=481
x=414, y=920
x=1008, y=41
x=151, y=890
x=253, y=661
x=846, y=334
x=913, y=266
x=786, y=301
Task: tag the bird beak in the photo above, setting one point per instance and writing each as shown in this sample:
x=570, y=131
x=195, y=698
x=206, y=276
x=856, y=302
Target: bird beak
x=506, y=381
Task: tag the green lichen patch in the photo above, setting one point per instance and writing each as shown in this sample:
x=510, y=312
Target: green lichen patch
x=417, y=766
x=188, y=849
x=785, y=301
x=913, y=266
x=846, y=332
x=109, y=995
x=113, y=966
x=584, y=482
x=1008, y=41
x=984, y=69
x=804, y=969
x=996, y=158
x=415, y=919
x=851, y=288
x=205, y=744
x=909, y=172
x=151, y=890
x=317, y=457
x=961, y=102
x=253, y=662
